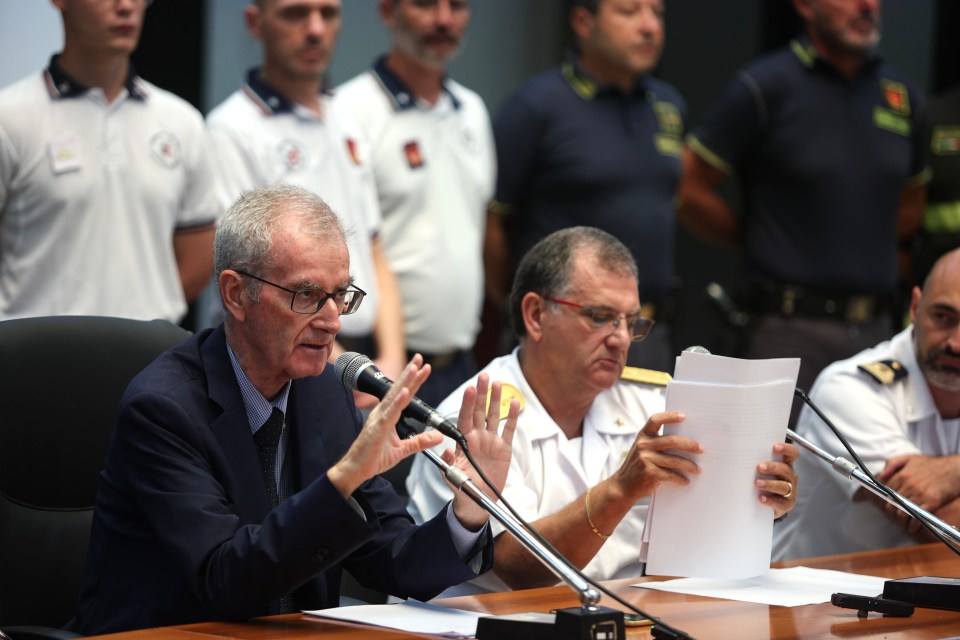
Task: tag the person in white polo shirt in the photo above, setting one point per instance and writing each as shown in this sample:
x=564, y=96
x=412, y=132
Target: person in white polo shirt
x=107, y=185
x=434, y=164
x=280, y=126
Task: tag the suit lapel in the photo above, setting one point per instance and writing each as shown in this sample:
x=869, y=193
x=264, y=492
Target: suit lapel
x=232, y=431
x=323, y=425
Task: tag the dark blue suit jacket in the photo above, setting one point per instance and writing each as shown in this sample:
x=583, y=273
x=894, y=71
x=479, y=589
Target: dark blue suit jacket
x=183, y=530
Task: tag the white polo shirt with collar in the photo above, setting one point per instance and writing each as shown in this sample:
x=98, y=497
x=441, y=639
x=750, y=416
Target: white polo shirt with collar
x=91, y=194
x=435, y=169
x=261, y=138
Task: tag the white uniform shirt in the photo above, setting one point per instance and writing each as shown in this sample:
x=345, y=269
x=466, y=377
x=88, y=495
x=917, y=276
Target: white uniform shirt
x=879, y=421
x=91, y=194
x=261, y=138
x=435, y=169
x=548, y=471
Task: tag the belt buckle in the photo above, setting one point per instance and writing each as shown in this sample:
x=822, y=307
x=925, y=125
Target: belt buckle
x=788, y=303
x=440, y=360
x=860, y=309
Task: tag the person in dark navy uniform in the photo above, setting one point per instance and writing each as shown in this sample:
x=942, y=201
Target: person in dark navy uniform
x=940, y=230
x=826, y=143
x=595, y=141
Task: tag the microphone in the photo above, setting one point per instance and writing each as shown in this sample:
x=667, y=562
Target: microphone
x=358, y=372
x=697, y=349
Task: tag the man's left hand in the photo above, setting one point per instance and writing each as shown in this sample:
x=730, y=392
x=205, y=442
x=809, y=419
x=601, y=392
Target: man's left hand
x=779, y=488
x=480, y=424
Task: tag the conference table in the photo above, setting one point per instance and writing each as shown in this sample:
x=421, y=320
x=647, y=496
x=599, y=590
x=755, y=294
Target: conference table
x=701, y=617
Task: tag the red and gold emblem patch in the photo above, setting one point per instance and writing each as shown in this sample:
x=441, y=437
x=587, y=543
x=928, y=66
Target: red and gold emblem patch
x=414, y=157
x=352, y=151
x=895, y=93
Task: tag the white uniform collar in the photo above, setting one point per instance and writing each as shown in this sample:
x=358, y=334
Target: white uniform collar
x=606, y=415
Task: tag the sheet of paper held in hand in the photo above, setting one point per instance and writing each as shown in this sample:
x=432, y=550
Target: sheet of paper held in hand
x=716, y=527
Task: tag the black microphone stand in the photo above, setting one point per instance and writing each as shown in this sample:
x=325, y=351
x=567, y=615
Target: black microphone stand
x=586, y=622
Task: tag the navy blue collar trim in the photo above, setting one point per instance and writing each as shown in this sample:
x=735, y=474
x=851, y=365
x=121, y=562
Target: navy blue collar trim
x=270, y=101
x=268, y=98
x=63, y=86
x=400, y=95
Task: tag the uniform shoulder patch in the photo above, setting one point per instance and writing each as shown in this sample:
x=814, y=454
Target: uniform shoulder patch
x=884, y=371
x=646, y=376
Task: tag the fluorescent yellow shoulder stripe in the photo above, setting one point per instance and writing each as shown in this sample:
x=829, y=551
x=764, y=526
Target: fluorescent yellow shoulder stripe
x=709, y=156
x=942, y=217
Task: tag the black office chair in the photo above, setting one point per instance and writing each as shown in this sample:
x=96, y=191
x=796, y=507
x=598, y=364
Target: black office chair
x=61, y=379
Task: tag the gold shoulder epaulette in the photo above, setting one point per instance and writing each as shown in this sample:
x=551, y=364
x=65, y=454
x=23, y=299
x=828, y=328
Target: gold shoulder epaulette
x=507, y=393
x=885, y=371
x=646, y=376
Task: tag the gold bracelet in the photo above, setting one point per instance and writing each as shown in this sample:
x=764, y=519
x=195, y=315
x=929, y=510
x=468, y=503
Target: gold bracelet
x=586, y=506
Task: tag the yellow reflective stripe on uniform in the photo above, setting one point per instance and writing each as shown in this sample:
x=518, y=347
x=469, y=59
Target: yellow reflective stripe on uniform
x=502, y=208
x=942, y=217
x=708, y=156
x=582, y=85
x=921, y=178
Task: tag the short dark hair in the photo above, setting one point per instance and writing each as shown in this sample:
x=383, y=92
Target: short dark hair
x=590, y=5
x=546, y=269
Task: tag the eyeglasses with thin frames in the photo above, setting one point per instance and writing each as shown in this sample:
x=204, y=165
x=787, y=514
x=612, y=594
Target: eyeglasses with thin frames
x=637, y=325
x=310, y=301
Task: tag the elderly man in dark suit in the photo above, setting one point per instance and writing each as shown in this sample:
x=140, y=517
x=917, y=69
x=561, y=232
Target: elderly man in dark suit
x=240, y=481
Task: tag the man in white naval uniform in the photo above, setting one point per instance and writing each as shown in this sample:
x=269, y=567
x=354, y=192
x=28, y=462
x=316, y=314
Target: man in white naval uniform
x=587, y=454
x=898, y=404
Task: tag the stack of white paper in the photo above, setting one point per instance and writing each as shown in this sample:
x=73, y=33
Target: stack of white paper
x=413, y=616
x=793, y=587
x=715, y=527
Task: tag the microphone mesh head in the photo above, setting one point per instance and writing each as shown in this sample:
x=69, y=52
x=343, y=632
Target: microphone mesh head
x=348, y=365
x=698, y=349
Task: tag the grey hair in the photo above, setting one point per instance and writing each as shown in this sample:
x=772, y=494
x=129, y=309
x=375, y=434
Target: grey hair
x=547, y=268
x=244, y=237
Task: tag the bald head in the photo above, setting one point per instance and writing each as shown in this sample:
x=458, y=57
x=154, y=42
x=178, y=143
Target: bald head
x=945, y=273
x=935, y=311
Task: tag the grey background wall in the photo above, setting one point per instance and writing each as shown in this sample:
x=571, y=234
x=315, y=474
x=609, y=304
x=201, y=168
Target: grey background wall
x=509, y=40
x=200, y=49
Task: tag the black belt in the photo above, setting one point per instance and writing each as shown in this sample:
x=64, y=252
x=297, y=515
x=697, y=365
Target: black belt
x=438, y=360
x=794, y=300
x=366, y=345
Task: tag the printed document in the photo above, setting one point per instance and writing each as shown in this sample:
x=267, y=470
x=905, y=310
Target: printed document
x=716, y=527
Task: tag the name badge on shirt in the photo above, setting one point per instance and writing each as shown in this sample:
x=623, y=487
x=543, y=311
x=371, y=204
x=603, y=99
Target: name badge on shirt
x=65, y=154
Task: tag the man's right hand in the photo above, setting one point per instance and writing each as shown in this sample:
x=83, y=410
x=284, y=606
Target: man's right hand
x=378, y=447
x=930, y=482
x=654, y=458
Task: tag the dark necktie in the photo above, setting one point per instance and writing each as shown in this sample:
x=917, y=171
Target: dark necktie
x=267, y=439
